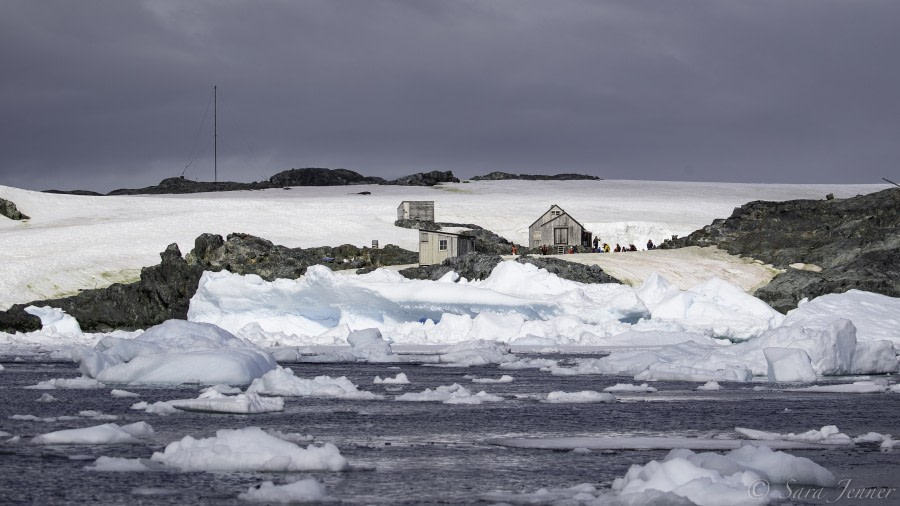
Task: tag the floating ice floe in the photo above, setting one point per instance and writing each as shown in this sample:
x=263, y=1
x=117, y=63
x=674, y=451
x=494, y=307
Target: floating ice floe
x=248, y=449
x=450, y=394
x=122, y=393
x=560, y=397
x=400, y=379
x=626, y=387
x=211, y=401
x=857, y=387
x=158, y=408
x=687, y=478
x=281, y=381
x=826, y=435
x=714, y=479
x=832, y=350
x=117, y=465
x=109, y=433
x=81, y=383
x=46, y=398
x=502, y=379
x=175, y=352
x=308, y=490
x=710, y=385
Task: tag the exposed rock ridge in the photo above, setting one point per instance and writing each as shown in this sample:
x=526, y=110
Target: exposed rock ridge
x=479, y=265
x=164, y=290
x=9, y=209
x=501, y=176
x=855, y=242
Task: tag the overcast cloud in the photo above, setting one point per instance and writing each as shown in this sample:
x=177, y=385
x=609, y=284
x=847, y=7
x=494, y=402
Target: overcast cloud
x=108, y=94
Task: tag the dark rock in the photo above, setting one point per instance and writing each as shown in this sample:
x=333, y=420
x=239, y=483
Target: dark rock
x=569, y=270
x=485, y=240
x=180, y=185
x=501, y=176
x=479, y=266
x=470, y=266
x=164, y=291
x=10, y=210
x=425, y=179
x=314, y=176
x=855, y=241
x=86, y=193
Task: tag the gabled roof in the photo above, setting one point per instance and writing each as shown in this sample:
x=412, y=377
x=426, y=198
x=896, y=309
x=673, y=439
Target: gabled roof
x=446, y=233
x=548, y=221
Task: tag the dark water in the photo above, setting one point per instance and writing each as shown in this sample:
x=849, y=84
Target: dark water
x=420, y=452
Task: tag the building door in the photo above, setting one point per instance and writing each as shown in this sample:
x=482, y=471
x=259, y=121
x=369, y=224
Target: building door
x=561, y=235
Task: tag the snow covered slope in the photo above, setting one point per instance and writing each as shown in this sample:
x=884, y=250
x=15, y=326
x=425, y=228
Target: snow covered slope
x=74, y=242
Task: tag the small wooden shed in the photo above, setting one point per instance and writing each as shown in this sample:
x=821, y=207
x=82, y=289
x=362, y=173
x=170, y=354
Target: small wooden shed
x=557, y=230
x=436, y=246
x=422, y=210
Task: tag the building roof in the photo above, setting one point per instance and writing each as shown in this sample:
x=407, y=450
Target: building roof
x=446, y=233
x=548, y=221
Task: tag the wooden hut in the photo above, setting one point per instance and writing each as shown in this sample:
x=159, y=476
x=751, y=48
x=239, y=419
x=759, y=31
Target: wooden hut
x=436, y=246
x=422, y=210
x=558, y=231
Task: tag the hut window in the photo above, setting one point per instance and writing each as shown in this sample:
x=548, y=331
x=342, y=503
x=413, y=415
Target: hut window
x=423, y=237
x=555, y=213
x=442, y=245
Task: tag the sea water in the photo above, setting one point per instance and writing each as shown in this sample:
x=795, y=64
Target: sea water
x=420, y=452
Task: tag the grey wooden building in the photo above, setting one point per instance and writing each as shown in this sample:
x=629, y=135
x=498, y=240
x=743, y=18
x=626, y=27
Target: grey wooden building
x=557, y=230
x=435, y=246
x=422, y=210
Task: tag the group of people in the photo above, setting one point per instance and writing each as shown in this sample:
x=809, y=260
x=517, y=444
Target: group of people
x=597, y=248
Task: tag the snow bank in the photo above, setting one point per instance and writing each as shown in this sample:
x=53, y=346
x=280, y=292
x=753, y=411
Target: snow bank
x=560, y=397
x=308, y=490
x=212, y=401
x=716, y=307
x=281, y=381
x=109, y=433
x=451, y=394
x=248, y=449
x=875, y=316
x=55, y=321
x=175, y=352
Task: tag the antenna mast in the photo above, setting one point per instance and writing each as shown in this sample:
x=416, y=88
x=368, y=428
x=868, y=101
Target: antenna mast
x=215, y=137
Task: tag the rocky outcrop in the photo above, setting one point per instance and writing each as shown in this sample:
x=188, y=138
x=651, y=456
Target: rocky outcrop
x=182, y=185
x=479, y=266
x=164, y=291
x=321, y=177
x=502, y=176
x=10, y=210
x=85, y=193
x=842, y=243
x=485, y=240
x=425, y=179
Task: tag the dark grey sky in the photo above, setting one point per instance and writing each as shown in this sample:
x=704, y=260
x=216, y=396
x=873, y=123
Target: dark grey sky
x=108, y=94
